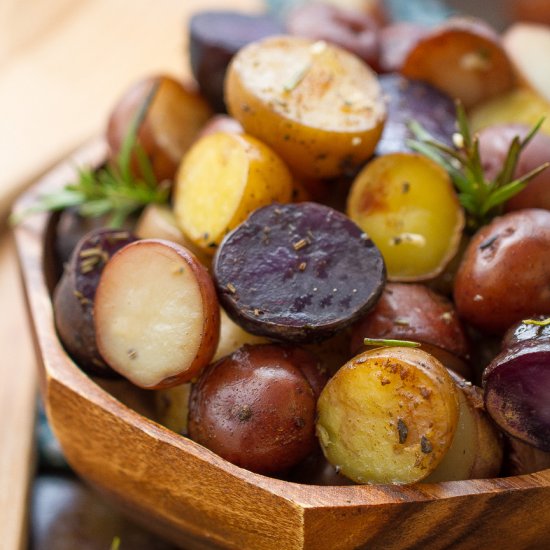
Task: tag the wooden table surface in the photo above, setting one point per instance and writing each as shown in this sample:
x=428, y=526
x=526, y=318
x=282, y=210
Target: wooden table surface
x=63, y=64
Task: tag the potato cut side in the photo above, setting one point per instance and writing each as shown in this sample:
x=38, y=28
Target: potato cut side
x=221, y=181
x=407, y=205
x=318, y=106
x=525, y=43
x=156, y=314
x=388, y=416
x=464, y=58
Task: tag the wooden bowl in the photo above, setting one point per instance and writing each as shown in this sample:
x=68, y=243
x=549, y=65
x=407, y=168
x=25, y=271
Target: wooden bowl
x=194, y=498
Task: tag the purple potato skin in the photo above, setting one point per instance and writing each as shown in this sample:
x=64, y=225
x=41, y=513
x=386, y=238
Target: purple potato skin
x=214, y=38
x=517, y=391
x=409, y=100
x=298, y=272
x=256, y=408
x=524, y=331
x=73, y=298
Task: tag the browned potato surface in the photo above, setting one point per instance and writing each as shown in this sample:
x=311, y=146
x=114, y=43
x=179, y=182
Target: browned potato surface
x=318, y=106
x=464, y=58
x=388, y=416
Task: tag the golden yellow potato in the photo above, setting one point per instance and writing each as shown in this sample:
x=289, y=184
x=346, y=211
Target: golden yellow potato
x=222, y=179
x=407, y=205
x=389, y=415
x=318, y=106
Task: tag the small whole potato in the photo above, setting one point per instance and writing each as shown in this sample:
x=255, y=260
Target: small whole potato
x=505, y=276
x=256, y=407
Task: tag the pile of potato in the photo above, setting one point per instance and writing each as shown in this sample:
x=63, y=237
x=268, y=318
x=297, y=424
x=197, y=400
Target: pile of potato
x=314, y=303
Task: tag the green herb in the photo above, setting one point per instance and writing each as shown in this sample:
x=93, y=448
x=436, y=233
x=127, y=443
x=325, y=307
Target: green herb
x=541, y=323
x=481, y=198
x=390, y=343
x=113, y=190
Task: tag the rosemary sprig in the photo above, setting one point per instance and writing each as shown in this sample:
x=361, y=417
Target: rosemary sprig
x=481, y=198
x=385, y=342
x=114, y=190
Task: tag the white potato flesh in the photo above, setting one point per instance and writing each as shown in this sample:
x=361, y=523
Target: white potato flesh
x=149, y=313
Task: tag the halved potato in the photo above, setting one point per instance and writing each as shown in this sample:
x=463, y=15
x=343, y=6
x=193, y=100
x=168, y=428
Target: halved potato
x=156, y=314
x=318, y=106
x=223, y=178
x=407, y=205
x=464, y=58
x=388, y=416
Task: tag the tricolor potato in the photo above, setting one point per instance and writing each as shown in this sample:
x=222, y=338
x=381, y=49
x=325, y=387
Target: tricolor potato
x=73, y=298
x=318, y=106
x=156, y=314
x=389, y=415
x=298, y=272
x=256, y=407
x=477, y=448
x=407, y=205
x=464, y=58
x=222, y=179
x=170, y=125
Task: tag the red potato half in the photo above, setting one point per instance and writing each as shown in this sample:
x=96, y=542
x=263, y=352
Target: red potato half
x=156, y=314
x=464, y=58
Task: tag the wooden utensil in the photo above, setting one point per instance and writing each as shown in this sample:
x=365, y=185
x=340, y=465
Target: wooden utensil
x=196, y=499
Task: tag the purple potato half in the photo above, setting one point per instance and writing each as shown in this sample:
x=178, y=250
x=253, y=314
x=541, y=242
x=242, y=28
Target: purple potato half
x=298, y=272
x=517, y=392
x=73, y=299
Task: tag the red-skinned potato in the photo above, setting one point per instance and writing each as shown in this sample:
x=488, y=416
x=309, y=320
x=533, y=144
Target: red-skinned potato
x=173, y=119
x=396, y=40
x=494, y=143
x=464, y=58
x=156, y=314
x=504, y=276
x=415, y=312
x=256, y=407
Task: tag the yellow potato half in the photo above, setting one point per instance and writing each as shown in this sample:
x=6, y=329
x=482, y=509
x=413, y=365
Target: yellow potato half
x=389, y=415
x=318, y=106
x=407, y=205
x=222, y=179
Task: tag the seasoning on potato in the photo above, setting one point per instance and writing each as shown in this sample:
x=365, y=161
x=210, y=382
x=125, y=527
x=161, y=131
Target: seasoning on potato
x=299, y=272
x=389, y=415
x=156, y=314
x=318, y=106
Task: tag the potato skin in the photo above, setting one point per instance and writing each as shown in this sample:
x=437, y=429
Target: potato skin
x=111, y=284
x=297, y=272
x=255, y=408
x=74, y=296
x=504, y=276
x=413, y=312
x=176, y=114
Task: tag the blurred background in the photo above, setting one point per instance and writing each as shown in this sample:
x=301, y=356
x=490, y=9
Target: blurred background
x=63, y=64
